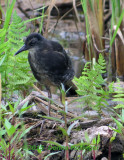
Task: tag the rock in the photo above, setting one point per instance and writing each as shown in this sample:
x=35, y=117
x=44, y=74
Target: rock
x=105, y=132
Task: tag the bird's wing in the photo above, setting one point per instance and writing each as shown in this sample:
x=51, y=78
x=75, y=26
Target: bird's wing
x=53, y=62
x=51, y=65
x=57, y=47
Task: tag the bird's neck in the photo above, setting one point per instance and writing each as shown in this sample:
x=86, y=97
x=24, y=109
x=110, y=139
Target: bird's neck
x=33, y=50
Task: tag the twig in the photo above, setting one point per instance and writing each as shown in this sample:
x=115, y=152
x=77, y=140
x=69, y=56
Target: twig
x=97, y=123
x=69, y=114
x=57, y=19
x=106, y=38
x=39, y=90
x=29, y=98
x=76, y=12
x=48, y=19
x=44, y=110
x=94, y=43
x=63, y=17
x=37, y=97
x=19, y=7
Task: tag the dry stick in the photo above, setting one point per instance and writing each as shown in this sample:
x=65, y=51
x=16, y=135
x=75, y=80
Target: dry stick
x=56, y=20
x=63, y=17
x=22, y=10
x=44, y=110
x=69, y=114
x=52, y=106
x=32, y=7
x=106, y=38
x=35, y=21
x=78, y=30
x=48, y=20
x=29, y=98
x=76, y=12
x=46, y=103
x=39, y=90
x=94, y=43
x=37, y=124
x=58, y=108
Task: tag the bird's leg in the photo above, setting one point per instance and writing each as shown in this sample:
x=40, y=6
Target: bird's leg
x=49, y=102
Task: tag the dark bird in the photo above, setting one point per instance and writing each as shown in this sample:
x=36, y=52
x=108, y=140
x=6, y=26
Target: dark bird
x=49, y=62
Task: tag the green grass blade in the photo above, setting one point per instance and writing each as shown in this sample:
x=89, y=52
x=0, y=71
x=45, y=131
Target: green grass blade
x=118, y=25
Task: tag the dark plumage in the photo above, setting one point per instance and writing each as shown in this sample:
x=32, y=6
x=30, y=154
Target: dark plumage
x=48, y=60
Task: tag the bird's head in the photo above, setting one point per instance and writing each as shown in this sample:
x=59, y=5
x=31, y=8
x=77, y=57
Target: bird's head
x=31, y=42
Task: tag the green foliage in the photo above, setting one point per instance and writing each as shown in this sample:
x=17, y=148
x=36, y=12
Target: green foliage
x=88, y=32
x=14, y=69
x=11, y=135
x=46, y=157
x=118, y=25
x=90, y=85
x=119, y=123
x=119, y=96
x=52, y=118
x=84, y=147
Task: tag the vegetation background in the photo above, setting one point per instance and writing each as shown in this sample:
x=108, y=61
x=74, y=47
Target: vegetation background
x=93, y=32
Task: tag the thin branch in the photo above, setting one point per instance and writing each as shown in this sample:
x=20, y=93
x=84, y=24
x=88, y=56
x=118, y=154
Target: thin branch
x=106, y=38
x=100, y=51
x=63, y=17
x=35, y=87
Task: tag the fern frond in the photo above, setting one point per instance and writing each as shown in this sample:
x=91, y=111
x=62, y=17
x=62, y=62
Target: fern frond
x=90, y=85
x=15, y=70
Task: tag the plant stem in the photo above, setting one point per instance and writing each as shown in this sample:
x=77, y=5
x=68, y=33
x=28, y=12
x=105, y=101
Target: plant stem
x=81, y=155
x=63, y=95
x=9, y=149
x=94, y=157
x=67, y=151
x=109, y=151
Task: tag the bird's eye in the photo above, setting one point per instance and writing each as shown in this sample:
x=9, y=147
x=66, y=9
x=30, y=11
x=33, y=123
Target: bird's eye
x=33, y=42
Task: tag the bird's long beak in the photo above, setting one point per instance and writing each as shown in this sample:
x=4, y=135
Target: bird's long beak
x=23, y=48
